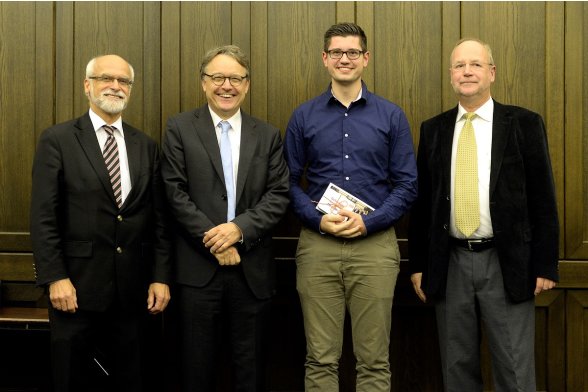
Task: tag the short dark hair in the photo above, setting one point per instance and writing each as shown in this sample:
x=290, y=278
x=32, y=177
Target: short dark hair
x=228, y=50
x=344, y=30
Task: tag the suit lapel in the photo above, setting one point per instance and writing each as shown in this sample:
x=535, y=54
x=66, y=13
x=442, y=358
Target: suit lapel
x=205, y=130
x=447, y=129
x=248, y=145
x=500, y=136
x=87, y=138
x=134, y=160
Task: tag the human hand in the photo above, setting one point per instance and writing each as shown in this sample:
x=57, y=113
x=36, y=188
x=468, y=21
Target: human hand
x=345, y=224
x=158, y=297
x=416, y=280
x=62, y=295
x=228, y=257
x=544, y=284
x=221, y=237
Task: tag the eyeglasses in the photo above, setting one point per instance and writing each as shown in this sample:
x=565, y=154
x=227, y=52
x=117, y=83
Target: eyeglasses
x=475, y=66
x=352, y=54
x=219, y=80
x=123, y=82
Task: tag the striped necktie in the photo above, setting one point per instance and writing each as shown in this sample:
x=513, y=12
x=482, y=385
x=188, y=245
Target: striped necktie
x=467, y=198
x=110, y=154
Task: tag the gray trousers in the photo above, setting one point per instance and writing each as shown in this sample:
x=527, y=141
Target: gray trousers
x=475, y=293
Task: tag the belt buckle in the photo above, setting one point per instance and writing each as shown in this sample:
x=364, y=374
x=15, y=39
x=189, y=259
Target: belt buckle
x=470, y=242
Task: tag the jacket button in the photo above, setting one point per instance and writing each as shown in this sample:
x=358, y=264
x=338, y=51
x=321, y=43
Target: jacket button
x=118, y=250
x=445, y=226
x=119, y=218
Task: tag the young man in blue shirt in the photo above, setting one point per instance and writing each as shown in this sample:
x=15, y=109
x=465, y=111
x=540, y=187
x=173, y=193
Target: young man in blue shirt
x=362, y=143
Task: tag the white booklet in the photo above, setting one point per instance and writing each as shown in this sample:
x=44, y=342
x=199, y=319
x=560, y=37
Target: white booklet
x=335, y=199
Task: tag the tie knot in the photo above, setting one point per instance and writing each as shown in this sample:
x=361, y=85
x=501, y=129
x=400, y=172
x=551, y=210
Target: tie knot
x=225, y=126
x=469, y=116
x=109, y=129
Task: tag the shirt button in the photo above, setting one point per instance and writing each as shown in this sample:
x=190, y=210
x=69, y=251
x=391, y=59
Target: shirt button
x=118, y=250
x=119, y=218
x=346, y=135
x=346, y=114
x=347, y=156
x=346, y=178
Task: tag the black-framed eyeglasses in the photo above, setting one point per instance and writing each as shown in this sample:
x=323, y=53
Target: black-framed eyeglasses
x=352, y=54
x=219, y=80
x=107, y=79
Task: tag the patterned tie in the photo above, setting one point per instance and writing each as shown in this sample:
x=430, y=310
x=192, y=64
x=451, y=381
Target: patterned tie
x=467, y=199
x=227, y=157
x=110, y=154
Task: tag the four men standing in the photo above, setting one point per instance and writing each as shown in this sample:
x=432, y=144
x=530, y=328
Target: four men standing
x=484, y=229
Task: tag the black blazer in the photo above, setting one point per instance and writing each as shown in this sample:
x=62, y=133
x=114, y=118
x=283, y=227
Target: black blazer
x=77, y=230
x=195, y=186
x=522, y=202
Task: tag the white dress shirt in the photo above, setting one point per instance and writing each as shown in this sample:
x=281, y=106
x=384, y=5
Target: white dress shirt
x=482, y=124
x=119, y=136
x=234, y=137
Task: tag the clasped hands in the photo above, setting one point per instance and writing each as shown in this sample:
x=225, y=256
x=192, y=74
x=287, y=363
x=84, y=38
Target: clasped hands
x=345, y=224
x=221, y=240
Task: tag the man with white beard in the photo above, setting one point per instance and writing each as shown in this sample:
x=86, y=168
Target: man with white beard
x=99, y=236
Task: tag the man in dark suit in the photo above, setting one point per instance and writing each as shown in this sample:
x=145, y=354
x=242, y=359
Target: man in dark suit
x=484, y=255
x=98, y=233
x=227, y=185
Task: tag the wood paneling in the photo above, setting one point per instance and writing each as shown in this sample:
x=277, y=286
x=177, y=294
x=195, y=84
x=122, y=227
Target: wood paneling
x=576, y=131
x=539, y=49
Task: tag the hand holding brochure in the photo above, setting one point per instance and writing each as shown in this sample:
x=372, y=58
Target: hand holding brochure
x=335, y=199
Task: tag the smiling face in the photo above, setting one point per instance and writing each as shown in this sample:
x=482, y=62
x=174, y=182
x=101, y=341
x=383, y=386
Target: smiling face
x=225, y=100
x=108, y=98
x=472, y=73
x=344, y=71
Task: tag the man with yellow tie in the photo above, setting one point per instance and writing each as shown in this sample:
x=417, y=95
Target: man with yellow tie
x=484, y=230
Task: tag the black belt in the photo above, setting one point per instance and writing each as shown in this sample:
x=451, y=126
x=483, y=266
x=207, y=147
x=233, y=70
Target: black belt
x=475, y=245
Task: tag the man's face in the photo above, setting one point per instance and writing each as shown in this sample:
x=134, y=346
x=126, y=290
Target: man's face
x=471, y=71
x=105, y=91
x=345, y=70
x=225, y=100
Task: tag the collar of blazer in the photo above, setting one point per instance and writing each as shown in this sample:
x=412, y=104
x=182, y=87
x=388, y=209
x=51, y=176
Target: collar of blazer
x=86, y=136
x=205, y=130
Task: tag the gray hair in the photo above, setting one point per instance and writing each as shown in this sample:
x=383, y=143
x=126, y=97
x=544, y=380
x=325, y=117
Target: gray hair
x=228, y=50
x=92, y=64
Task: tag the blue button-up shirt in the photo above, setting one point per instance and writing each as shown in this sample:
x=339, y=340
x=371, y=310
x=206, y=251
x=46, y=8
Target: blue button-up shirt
x=366, y=149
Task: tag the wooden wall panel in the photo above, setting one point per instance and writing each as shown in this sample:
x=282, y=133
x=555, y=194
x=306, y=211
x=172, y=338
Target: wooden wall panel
x=577, y=340
x=25, y=96
x=576, y=131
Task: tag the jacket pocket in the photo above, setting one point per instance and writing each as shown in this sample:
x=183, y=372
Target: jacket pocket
x=77, y=248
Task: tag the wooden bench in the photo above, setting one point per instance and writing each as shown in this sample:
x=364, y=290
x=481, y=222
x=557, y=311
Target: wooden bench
x=22, y=304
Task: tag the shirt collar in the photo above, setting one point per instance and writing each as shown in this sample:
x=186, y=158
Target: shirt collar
x=364, y=94
x=485, y=112
x=233, y=120
x=98, y=122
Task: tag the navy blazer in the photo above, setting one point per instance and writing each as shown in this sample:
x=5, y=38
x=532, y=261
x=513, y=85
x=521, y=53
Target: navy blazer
x=195, y=186
x=522, y=202
x=77, y=230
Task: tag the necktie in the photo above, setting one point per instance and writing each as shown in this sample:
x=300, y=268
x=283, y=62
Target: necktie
x=467, y=200
x=227, y=157
x=110, y=154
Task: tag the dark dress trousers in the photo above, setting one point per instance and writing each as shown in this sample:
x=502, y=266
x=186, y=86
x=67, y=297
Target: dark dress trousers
x=194, y=181
x=522, y=202
x=78, y=232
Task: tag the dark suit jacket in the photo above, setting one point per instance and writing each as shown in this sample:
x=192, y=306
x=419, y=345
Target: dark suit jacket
x=522, y=202
x=78, y=231
x=193, y=176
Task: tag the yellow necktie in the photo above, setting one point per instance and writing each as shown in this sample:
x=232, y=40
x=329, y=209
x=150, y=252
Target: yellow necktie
x=467, y=198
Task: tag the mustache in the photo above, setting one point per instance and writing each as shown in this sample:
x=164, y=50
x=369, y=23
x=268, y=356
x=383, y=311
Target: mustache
x=119, y=94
